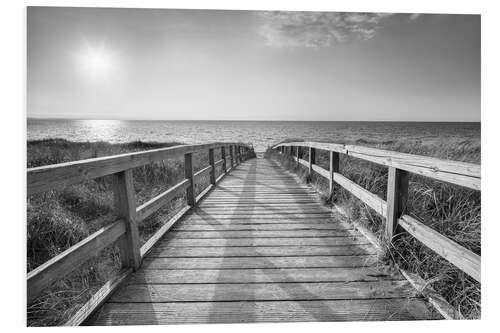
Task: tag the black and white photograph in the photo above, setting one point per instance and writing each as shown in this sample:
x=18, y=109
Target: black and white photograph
x=240, y=166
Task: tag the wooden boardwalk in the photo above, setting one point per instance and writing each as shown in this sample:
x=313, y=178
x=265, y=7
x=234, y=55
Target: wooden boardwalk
x=261, y=248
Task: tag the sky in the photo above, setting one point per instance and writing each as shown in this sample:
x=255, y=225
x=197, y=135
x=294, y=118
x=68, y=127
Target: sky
x=95, y=63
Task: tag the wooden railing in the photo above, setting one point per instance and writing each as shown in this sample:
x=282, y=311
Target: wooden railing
x=394, y=209
x=124, y=231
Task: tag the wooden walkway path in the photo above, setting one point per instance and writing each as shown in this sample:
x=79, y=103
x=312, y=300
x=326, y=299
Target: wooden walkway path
x=261, y=248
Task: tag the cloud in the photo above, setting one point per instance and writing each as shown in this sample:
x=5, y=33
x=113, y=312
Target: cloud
x=318, y=29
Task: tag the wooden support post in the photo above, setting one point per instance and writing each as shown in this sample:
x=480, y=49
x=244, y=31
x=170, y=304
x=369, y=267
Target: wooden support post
x=211, y=161
x=124, y=200
x=238, y=154
x=397, y=195
x=188, y=174
x=334, y=167
x=223, y=156
x=231, y=156
x=298, y=155
x=312, y=159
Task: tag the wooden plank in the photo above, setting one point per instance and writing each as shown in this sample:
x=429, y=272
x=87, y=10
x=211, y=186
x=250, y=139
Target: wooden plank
x=260, y=262
x=54, y=176
x=231, y=156
x=436, y=300
x=202, y=172
x=397, y=195
x=211, y=161
x=188, y=174
x=260, y=275
x=160, y=200
x=263, y=216
x=223, y=157
x=254, y=251
x=334, y=168
x=238, y=210
x=323, y=172
x=162, y=231
x=340, y=148
x=203, y=193
x=459, y=173
x=463, y=258
x=259, y=233
x=372, y=200
x=455, y=172
x=275, y=241
x=262, y=221
x=263, y=291
x=270, y=311
x=312, y=159
x=260, y=226
x=98, y=299
x=72, y=258
x=124, y=201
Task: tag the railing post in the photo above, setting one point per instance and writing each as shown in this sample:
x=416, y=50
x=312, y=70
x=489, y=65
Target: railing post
x=334, y=167
x=298, y=155
x=124, y=200
x=188, y=173
x=312, y=159
x=223, y=156
x=397, y=195
x=211, y=161
x=231, y=156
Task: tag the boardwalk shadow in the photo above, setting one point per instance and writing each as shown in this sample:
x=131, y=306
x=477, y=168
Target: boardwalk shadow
x=293, y=289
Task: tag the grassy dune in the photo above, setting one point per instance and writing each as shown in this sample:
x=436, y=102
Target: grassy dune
x=60, y=219
x=451, y=210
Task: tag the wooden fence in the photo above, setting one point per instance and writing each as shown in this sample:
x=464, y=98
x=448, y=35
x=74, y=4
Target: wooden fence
x=124, y=231
x=394, y=209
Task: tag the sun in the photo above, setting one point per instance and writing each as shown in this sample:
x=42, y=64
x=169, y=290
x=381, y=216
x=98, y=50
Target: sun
x=96, y=62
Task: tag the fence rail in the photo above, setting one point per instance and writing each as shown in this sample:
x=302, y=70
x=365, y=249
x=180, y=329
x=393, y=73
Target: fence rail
x=123, y=231
x=394, y=209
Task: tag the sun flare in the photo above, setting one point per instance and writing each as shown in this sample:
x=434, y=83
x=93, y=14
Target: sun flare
x=96, y=62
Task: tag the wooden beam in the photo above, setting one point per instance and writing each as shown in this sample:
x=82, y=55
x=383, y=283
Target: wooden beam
x=372, y=200
x=150, y=243
x=397, y=195
x=61, y=175
x=454, y=172
x=157, y=202
x=334, y=167
x=201, y=172
x=223, y=157
x=463, y=258
x=436, y=300
x=312, y=159
x=211, y=161
x=98, y=299
x=124, y=199
x=231, y=156
x=72, y=258
x=298, y=155
x=188, y=174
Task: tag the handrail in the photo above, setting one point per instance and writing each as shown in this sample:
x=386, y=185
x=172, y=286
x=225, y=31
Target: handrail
x=459, y=173
x=125, y=229
x=65, y=174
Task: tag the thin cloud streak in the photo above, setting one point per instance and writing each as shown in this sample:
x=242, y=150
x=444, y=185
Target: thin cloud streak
x=319, y=29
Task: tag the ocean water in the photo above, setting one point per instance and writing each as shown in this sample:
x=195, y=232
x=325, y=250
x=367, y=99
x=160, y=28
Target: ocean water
x=260, y=134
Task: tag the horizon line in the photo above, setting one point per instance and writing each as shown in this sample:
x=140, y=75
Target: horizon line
x=259, y=120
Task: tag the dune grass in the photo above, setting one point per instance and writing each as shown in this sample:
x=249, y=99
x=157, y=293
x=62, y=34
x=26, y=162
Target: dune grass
x=451, y=210
x=56, y=220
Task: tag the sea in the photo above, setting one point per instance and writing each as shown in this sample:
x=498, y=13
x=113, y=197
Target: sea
x=260, y=134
